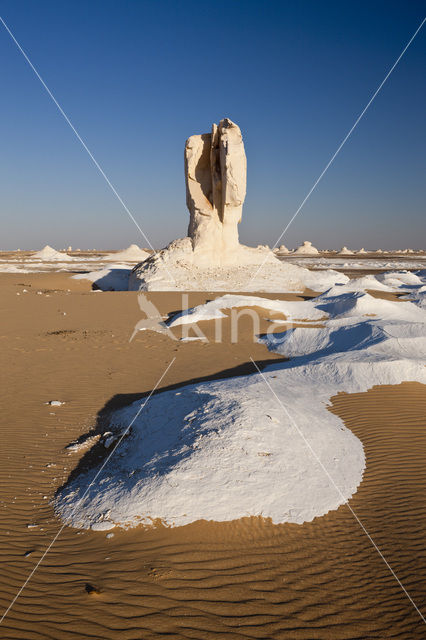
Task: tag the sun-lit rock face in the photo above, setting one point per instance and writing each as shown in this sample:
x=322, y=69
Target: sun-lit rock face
x=215, y=172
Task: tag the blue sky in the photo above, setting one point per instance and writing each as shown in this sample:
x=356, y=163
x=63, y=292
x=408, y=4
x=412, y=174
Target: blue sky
x=137, y=78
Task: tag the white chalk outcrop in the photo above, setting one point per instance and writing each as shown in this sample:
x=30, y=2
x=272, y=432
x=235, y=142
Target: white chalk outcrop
x=282, y=249
x=225, y=450
x=49, y=254
x=344, y=251
x=216, y=177
x=307, y=249
x=173, y=269
x=211, y=257
x=131, y=254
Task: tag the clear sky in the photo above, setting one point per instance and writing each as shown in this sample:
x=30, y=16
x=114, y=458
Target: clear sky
x=137, y=78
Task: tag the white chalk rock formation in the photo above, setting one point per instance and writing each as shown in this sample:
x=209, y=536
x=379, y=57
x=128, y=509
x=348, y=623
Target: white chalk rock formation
x=131, y=254
x=344, y=251
x=211, y=257
x=215, y=172
x=282, y=249
x=307, y=249
x=49, y=254
x=173, y=269
x=362, y=250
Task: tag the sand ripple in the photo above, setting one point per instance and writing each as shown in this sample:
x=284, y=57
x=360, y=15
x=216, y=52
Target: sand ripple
x=245, y=579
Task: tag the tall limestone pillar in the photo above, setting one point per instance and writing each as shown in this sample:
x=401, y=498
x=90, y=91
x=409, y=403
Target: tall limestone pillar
x=215, y=172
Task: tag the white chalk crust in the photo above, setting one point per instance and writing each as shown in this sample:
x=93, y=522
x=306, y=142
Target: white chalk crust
x=228, y=449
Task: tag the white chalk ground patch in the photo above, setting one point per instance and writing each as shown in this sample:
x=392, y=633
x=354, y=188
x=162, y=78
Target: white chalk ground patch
x=295, y=311
x=226, y=449
x=301, y=311
x=28, y=266
x=330, y=262
x=172, y=269
x=50, y=260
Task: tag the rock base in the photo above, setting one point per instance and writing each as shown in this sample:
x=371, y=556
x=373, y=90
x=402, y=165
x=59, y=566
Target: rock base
x=176, y=268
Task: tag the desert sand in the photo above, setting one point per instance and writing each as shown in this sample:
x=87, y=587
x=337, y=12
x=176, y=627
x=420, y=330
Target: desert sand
x=248, y=578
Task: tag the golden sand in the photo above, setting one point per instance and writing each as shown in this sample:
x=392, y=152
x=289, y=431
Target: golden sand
x=243, y=579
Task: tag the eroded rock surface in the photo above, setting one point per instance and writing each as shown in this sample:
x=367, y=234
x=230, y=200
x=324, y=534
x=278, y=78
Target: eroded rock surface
x=216, y=178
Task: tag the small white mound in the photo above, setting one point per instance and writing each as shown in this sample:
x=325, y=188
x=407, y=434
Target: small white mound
x=282, y=249
x=397, y=279
x=362, y=250
x=307, y=249
x=365, y=283
x=344, y=251
x=48, y=254
x=323, y=279
x=131, y=254
x=418, y=294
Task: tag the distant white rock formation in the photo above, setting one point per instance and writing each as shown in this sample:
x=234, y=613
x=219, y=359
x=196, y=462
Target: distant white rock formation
x=282, y=249
x=344, y=251
x=307, y=249
x=48, y=254
x=131, y=254
x=361, y=251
